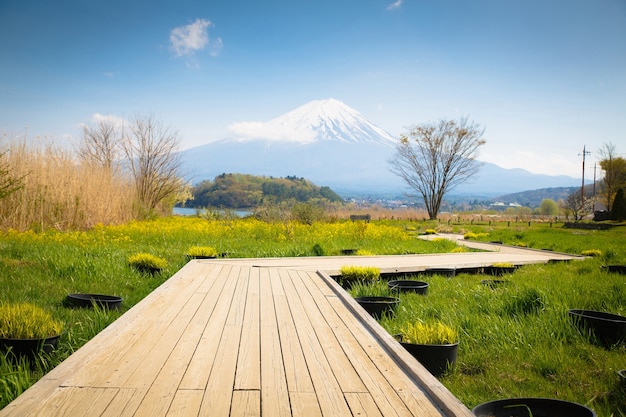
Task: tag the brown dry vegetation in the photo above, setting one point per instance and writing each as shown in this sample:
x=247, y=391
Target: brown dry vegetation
x=59, y=193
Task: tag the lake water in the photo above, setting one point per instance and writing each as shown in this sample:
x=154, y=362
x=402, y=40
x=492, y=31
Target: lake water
x=186, y=211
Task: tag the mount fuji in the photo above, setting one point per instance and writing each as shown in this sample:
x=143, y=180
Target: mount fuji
x=324, y=141
x=331, y=144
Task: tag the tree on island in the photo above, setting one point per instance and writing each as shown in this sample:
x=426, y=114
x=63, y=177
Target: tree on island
x=434, y=158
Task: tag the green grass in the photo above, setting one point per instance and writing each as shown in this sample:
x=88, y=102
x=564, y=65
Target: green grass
x=516, y=340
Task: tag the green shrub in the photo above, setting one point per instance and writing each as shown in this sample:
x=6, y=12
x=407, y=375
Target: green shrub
x=146, y=261
x=27, y=321
x=592, y=252
x=430, y=232
x=318, y=250
x=435, y=333
x=201, y=251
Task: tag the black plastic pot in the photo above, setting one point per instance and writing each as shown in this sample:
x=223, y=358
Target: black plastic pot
x=469, y=270
x=111, y=302
x=377, y=306
x=435, y=358
x=149, y=270
x=29, y=347
x=617, y=269
x=607, y=328
x=446, y=272
x=407, y=285
x=532, y=407
x=622, y=376
x=498, y=271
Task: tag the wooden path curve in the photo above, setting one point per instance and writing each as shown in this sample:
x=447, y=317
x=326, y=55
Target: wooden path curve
x=244, y=338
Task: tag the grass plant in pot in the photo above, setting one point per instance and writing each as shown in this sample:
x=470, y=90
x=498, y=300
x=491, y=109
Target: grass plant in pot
x=435, y=345
x=351, y=275
x=202, y=252
x=376, y=298
x=500, y=268
x=26, y=329
x=146, y=262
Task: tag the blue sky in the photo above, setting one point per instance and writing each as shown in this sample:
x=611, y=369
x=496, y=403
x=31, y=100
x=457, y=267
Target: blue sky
x=544, y=77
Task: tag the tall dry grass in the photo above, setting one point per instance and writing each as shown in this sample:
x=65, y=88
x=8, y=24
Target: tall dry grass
x=58, y=192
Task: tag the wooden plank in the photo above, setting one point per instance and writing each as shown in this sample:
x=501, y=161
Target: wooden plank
x=163, y=389
x=199, y=369
x=186, y=403
x=219, y=389
x=313, y=300
x=304, y=404
x=248, y=376
x=296, y=371
x=63, y=402
x=329, y=394
x=246, y=404
x=150, y=361
x=95, y=401
x=362, y=404
x=274, y=395
x=125, y=403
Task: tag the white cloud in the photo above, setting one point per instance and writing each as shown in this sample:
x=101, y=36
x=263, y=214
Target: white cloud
x=395, y=5
x=186, y=40
x=116, y=120
x=271, y=131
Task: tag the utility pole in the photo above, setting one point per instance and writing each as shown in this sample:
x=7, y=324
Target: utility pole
x=594, y=186
x=582, y=187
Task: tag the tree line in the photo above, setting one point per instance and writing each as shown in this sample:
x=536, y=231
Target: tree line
x=241, y=191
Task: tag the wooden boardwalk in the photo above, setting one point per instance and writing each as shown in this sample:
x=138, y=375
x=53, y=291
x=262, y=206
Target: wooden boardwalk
x=232, y=339
x=255, y=337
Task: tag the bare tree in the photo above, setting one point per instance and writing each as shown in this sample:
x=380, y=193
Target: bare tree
x=577, y=206
x=434, y=158
x=101, y=143
x=151, y=150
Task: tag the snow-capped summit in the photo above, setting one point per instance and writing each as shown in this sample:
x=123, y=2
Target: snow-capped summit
x=317, y=120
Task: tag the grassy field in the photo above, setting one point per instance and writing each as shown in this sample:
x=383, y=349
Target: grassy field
x=515, y=340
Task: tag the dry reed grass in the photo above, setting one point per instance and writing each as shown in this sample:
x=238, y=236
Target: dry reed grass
x=60, y=193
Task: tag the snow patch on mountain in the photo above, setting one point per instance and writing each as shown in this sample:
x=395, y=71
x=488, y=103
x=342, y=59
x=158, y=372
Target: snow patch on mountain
x=316, y=121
